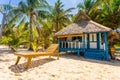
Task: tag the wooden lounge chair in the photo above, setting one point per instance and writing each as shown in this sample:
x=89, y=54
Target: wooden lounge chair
x=51, y=51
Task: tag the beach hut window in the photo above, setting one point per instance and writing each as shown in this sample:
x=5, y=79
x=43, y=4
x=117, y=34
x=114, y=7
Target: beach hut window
x=77, y=39
x=80, y=39
x=93, y=37
x=102, y=39
x=90, y=37
x=73, y=38
x=69, y=38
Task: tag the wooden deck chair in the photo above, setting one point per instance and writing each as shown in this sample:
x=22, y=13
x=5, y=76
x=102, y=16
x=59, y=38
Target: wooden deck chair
x=51, y=51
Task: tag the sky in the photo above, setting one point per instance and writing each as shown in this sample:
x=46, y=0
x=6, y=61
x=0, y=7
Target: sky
x=67, y=4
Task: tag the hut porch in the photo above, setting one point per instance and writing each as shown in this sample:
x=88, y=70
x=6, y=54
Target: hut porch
x=92, y=45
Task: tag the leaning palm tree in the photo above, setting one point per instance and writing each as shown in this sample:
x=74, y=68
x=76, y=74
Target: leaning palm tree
x=28, y=11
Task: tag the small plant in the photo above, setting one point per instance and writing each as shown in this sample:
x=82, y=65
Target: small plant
x=35, y=47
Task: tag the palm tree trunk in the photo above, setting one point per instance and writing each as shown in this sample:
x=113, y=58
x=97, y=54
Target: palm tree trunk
x=56, y=30
x=31, y=36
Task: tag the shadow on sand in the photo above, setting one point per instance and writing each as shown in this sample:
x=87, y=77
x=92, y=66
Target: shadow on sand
x=75, y=57
x=6, y=51
x=6, y=60
x=35, y=63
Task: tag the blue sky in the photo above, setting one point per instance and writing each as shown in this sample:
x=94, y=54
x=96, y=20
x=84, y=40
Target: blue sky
x=67, y=4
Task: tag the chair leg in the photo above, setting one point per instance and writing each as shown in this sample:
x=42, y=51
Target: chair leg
x=28, y=62
x=18, y=59
x=58, y=56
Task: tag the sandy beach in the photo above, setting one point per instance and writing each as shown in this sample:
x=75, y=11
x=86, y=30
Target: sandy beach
x=68, y=67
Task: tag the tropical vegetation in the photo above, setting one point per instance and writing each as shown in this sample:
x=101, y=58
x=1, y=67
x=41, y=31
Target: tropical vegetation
x=33, y=23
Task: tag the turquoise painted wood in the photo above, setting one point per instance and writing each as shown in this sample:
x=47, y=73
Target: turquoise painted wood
x=88, y=41
x=84, y=42
x=106, y=46
x=78, y=53
x=98, y=41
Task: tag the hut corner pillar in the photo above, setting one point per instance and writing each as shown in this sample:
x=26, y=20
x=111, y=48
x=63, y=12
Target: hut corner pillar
x=106, y=57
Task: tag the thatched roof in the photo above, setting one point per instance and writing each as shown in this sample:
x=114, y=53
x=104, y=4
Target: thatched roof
x=81, y=16
x=82, y=24
x=83, y=27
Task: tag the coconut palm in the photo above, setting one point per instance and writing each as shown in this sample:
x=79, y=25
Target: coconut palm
x=86, y=6
x=108, y=14
x=59, y=17
x=28, y=11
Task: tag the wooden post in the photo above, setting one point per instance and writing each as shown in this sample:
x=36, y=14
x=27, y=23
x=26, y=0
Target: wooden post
x=98, y=41
x=28, y=62
x=18, y=59
x=88, y=41
x=59, y=44
x=106, y=46
x=84, y=42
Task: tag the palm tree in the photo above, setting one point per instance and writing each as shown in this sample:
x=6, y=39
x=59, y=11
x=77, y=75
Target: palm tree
x=86, y=6
x=108, y=14
x=59, y=17
x=29, y=11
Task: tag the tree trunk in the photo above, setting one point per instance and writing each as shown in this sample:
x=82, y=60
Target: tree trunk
x=56, y=30
x=31, y=36
x=3, y=24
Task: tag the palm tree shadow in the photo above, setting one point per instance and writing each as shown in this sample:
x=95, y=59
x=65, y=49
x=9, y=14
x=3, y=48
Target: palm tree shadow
x=21, y=67
x=6, y=51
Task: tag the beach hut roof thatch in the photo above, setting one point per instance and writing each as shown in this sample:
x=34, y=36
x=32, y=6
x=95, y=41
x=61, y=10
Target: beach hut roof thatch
x=82, y=24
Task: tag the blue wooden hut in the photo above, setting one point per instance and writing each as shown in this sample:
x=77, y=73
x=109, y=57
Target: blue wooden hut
x=85, y=36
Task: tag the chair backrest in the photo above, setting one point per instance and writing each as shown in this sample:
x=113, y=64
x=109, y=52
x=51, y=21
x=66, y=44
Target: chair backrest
x=52, y=48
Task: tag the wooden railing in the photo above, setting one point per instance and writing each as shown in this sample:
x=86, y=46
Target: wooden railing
x=75, y=44
x=79, y=45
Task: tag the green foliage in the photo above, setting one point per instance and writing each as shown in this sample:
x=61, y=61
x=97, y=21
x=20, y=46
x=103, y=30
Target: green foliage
x=86, y=5
x=35, y=22
x=46, y=36
x=105, y=12
x=15, y=36
x=5, y=40
x=35, y=47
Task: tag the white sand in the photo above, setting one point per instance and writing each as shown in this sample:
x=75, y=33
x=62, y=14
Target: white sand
x=69, y=67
